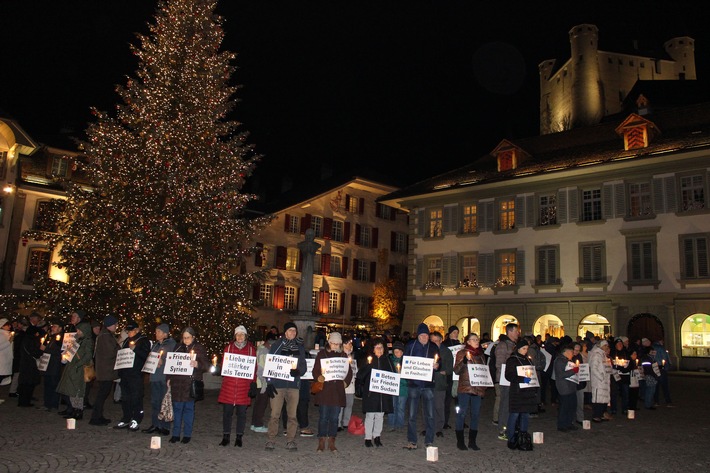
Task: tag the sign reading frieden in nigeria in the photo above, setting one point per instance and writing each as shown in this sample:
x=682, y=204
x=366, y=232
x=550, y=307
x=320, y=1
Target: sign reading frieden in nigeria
x=279, y=367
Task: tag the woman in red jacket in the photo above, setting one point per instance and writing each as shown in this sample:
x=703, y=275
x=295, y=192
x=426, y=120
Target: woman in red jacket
x=236, y=392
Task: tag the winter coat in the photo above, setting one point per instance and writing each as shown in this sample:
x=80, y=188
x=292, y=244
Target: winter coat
x=599, y=375
x=428, y=350
x=333, y=393
x=165, y=346
x=29, y=353
x=105, y=356
x=403, y=385
x=350, y=387
x=141, y=347
x=261, y=353
x=521, y=399
x=180, y=384
x=447, y=367
x=564, y=386
x=235, y=391
x=372, y=401
x=503, y=349
x=6, y=354
x=461, y=369
x=278, y=348
x=53, y=348
x=16, y=350
x=72, y=383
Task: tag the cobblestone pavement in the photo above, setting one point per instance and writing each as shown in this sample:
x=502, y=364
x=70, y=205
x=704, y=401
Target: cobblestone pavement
x=667, y=439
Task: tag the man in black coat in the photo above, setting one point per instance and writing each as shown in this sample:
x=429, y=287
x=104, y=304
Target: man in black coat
x=29, y=352
x=132, y=379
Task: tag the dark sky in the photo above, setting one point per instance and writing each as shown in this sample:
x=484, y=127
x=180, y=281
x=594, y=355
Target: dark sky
x=404, y=89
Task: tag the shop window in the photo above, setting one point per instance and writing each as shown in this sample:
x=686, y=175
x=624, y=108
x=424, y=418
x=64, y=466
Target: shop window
x=695, y=335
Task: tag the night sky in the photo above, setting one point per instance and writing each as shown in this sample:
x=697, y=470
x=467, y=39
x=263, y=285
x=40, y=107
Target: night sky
x=390, y=89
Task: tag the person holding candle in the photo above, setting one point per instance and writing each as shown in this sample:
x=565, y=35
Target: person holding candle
x=523, y=400
x=621, y=377
x=566, y=389
x=236, y=393
x=470, y=397
x=183, y=404
x=132, y=379
x=52, y=346
x=332, y=397
x=599, y=380
x=578, y=358
x=72, y=383
x=105, y=351
x=346, y=412
x=503, y=349
x=261, y=401
x=374, y=404
x=164, y=343
x=664, y=364
x=396, y=420
x=29, y=376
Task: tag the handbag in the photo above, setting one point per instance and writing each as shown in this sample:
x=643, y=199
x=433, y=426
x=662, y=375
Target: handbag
x=197, y=390
x=316, y=387
x=356, y=426
x=526, y=443
x=89, y=373
x=166, y=407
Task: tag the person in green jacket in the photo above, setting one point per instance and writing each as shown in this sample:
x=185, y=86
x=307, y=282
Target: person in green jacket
x=72, y=383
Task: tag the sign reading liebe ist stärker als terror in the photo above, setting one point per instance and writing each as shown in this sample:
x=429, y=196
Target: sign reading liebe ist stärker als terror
x=418, y=368
x=178, y=363
x=238, y=366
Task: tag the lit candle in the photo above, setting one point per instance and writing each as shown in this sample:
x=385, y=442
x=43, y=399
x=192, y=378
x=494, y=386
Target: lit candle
x=663, y=362
x=398, y=367
x=436, y=358
x=369, y=360
x=160, y=355
x=468, y=355
x=577, y=363
x=294, y=364
x=214, y=361
x=41, y=341
x=193, y=357
x=350, y=359
x=59, y=337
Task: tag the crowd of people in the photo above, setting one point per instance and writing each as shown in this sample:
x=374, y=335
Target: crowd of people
x=604, y=376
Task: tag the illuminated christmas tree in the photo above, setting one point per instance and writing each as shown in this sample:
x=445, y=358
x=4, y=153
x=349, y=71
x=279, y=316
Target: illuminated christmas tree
x=161, y=233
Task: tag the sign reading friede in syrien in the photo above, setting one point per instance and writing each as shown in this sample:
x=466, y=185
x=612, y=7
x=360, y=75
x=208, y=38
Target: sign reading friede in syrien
x=178, y=363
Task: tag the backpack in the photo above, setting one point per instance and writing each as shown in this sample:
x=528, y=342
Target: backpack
x=492, y=364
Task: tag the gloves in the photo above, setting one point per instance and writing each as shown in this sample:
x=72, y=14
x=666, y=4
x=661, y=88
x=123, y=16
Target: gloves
x=253, y=390
x=526, y=380
x=295, y=372
x=576, y=369
x=271, y=391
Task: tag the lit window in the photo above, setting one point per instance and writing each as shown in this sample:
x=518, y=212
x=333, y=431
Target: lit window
x=692, y=192
x=506, y=214
x=333, y=306
x=640, y=200
x=436, y=221
x=506, y=267
x=354, y=205
x=469, y=218
x=469, y=268
x=266, y=294
x=548, y=209
x=591, y=205
x=289, y=297
x=37, y=264
x=292, y=255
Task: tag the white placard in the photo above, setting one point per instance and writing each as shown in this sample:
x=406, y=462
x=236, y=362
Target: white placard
x=479, y=375
x=235, y=365
x=656, y=369
x=384, y=382
x=584, y=374
x=527, y=371
x=310, y=363
x=68, y=340
x=454, y=350
x=43, y=362
x=574, y=378
x=502, y=380
x=178, y=363
x=125, y=357
x=334, y=368
x=548, y=358
x=71, y=351
x=418, y=368
x=151, y=363
x=279, y=367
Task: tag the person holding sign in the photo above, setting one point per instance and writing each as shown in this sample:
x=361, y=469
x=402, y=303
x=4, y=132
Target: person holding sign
x=52, y=348
x=334, y=376
x=523, y=400
x=239, y=387
x=29, y=376
x=396, y=420
x=105, y=352
x=469, y=395
x=183, y=404
x=72, y=383
x=601, y=387
x=375, y=404
x=567, y=390
x=164, y=343
x=132, y=378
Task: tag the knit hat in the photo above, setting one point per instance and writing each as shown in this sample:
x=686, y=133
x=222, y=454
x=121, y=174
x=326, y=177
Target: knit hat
x=451, y=329
x=131, y=324
x=521, y=343
x=624, y=339
x=110, y=320
x=398, y=346
x=588, y=335
x=422, y=328
x=165, y=328
x=80, y=313
x=190, y=330
x=645, y=341
x=603, y=343
x=240, y=329
x=4, y=321
x=335, y=337
x=289, y=325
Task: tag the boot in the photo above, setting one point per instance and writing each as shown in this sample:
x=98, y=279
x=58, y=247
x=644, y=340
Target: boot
x=78, y=414
x=472, y=434
x=225, y=440
x=238, y=440
x=321, y=444
x=70, y=413
x=331, y=444
x=378, y=442
x=460, y=444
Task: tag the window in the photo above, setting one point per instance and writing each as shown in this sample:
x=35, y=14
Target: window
x=293, y=224
x=548, y=265
x=548, y=209
x=384, y=211
x=362, y=270
x=434, y=271
x=361, y=308
x=469, y=268
x=353, y=205
x=692, y=193
x=292, y=255
x=37, y=264
x=591, y=205
x=289, y=297
x=365, y=236
x=640, y=200
x=592, y=263
x=266, y=294
x=59, y=167
x=470, y=223
x=333, y=306
x=317, y=226
x=400, y=242
x=336, y=266
x=314, y=300
x=506, y=214
x=694, y=256
x=337, y=230
x=506, y=268
x=47, y=214
x=642, y=260
x=436, y=221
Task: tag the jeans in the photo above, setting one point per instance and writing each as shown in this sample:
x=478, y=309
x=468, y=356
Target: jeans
x=346, y=412
x=447, y=400
x=328, y=420
x=132, y=398
x=289, y=396
x=580, y=405
x=520, y=418
x=468, y=401
x=157, y=393
x=567, y=410
x=504, y=406
x=427, y=395
x=649, y=393
x=183, y=413
x=396, y=419
x=104, y=390
x=439, y=404
x=51, y=396
x=373, y=424
x=227, y=411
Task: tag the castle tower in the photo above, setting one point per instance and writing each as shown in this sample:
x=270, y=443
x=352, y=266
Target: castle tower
x=682, y=51
x=586, y=94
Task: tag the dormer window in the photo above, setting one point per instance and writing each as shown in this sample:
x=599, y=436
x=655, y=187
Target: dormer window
x=506, y=161
x=637, y=131
x=508, y=156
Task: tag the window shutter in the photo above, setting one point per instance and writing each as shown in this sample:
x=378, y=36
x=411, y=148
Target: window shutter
x=325, y=264
x=562, y=206
x=353, y=305
x=520, y=268
x=449, y=270
x=658, y=200
x=344, y=272
x=342, y=303
x=300, y=261
x=356, y=269
x=552, y=266
x=256, y=291
x=378, y=210
x=361, y=207
x=287, y=220
x=702, y=248
x=529, y=210
x=305, y=223
x=450, y=220
x=358, y=229
x=619, y=200
x=421, y=223
x=573, y=206
x=418, y=280
x=280, y=257
x=607, y=201
x=374, y=237
x=327, y=228
x=670, y=194
x=258, y=255
x=520, y=213
x=373, y=271
x=393, y=240
x=279, y=297
x=393, y=214
x=346, y=232
x=486, y=269
x=347, y=202
x=487, y=217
